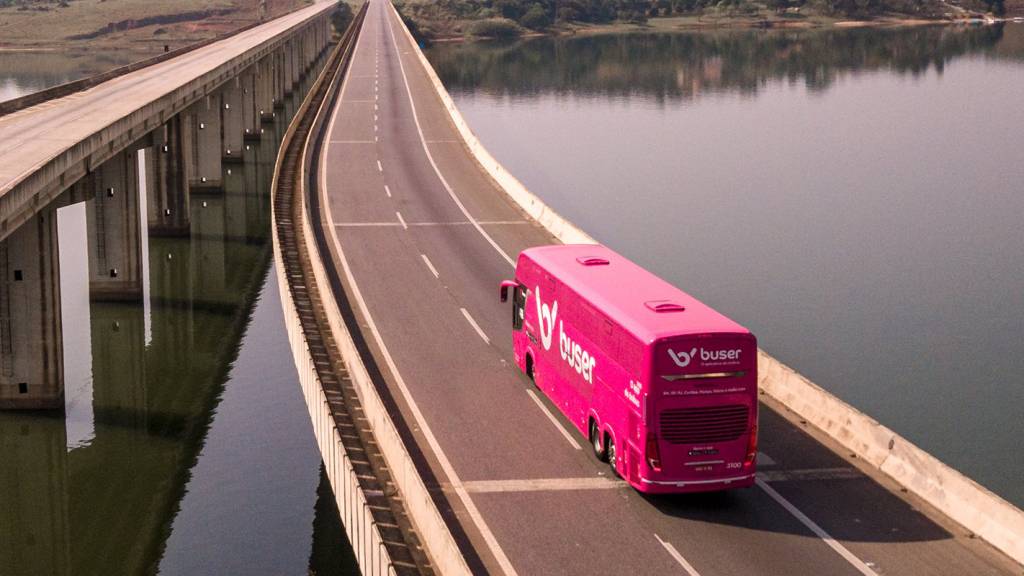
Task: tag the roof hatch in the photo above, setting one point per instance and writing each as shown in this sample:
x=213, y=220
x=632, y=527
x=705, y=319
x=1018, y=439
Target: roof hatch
x=592, y=260
x=664, y=306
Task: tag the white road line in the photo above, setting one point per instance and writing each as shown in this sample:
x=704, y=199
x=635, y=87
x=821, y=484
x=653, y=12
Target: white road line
x=375, y=117
x=375, y=107
x=385, y=224
x=430, y=265
x=402, y=220
x=387, y=190
x=430, y=157
x=677, y=556
x=835, y=545
x=544, y=409
x=543, y=485
x=380, y=168
x=475, y=326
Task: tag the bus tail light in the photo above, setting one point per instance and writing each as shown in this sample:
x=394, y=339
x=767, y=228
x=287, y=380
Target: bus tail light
x=653, y=456
x=748, y=462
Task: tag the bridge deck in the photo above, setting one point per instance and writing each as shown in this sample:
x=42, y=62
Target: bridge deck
x=530, y=497
x=35, y=137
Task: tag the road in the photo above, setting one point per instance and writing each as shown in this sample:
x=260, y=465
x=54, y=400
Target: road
x=424, y=238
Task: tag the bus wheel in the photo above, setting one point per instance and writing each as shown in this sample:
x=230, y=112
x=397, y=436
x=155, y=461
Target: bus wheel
x=529, y=368
x=612, y=460
x=597, y=442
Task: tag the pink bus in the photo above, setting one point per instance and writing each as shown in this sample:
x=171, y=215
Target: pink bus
x=664, y=387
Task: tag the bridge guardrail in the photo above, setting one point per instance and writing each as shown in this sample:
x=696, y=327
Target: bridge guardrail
x=354, y=507
x=963, y=500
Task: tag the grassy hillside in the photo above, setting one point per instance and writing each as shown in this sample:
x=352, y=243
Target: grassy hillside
x=145, y=25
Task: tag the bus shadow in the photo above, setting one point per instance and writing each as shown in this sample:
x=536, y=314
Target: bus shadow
x=848, y=504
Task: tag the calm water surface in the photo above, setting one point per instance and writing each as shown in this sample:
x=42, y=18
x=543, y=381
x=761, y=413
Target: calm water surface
x=22, y=73
x=853, y=197
x=186, y=446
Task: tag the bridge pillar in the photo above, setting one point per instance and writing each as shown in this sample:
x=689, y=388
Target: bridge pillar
x=250, y=114
x=265, y=89
x=295, y=71
x=232, y=119
x=279, y=68
x=31, y=340
x=114, y=230
x=167, y=191
x=201, y=130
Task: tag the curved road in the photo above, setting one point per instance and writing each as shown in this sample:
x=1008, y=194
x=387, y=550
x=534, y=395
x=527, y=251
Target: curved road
x=424, y=238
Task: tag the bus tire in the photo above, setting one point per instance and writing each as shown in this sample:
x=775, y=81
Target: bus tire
x=611, y=455
x=529, y=368
x=597, y=442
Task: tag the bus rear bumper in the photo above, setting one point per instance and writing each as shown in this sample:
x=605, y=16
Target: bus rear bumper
x=649, y=486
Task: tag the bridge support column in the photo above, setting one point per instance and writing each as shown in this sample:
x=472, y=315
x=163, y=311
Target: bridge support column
x=114, y=230
x=250, y=114
x=201, y=130
x=167, y=184
x=31, y=345
x=265, y=89
x=279, y=68
x=232, y=119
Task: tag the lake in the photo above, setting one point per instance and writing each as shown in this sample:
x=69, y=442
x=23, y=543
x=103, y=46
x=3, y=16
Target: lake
x=853, y=196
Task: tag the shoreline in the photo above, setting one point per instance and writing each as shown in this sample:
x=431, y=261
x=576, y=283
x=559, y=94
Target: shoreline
x=708, y=24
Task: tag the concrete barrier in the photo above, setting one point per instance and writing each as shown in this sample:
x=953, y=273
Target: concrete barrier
x=962, y=499
x=363, y=532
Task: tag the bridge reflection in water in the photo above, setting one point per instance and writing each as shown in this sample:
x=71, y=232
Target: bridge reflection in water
x=96, y=488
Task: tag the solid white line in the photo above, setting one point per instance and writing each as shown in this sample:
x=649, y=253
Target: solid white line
x=544, y=485
x=379, y=167
x=402, y=220
x=475, y=326
x=430, y=265
x=678, y=557
x=387, y=190
x=544, y=409
x=421, y=421
x=430, y=157
x=375, y=224
x=839, y=548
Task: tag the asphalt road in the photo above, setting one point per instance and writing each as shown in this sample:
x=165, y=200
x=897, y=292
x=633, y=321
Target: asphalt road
x=425, y=237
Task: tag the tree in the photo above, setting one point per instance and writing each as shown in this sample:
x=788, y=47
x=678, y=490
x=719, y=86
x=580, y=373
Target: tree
x=535, y=18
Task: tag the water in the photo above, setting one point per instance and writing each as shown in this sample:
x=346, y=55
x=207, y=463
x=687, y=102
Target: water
x=185, y=446
x=22, y=73
x=852, y=196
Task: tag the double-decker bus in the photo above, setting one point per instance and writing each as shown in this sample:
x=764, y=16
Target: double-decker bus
x=663, y=386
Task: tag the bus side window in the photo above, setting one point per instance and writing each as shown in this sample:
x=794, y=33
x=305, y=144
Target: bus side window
x=518, y=307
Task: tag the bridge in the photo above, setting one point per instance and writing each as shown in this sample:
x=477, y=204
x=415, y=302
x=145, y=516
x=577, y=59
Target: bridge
x=405, y=227
x=166, y=130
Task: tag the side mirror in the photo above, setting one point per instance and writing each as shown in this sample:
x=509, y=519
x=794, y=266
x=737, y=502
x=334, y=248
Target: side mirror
x=505, y=285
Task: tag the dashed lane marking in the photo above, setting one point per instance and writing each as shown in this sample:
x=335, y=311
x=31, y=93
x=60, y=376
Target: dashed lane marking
x=430, y=265
x=475, y=326
x=402, y=220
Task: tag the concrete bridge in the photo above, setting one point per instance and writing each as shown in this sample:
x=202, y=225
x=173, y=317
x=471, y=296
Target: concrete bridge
x=409, y=226
x=153, y=137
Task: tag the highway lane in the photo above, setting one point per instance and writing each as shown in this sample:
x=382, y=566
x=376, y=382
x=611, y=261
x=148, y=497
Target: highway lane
x=425, y=237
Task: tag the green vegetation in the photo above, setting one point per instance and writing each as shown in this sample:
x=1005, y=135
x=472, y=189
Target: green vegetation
x=453, y=18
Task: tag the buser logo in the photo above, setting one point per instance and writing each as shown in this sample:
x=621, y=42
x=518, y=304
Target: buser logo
x=546, y=316
x=682, y=359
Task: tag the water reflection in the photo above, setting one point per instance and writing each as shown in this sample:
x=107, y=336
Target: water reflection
x=112, y=488
x=684, y=65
